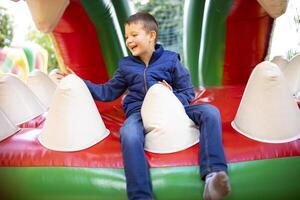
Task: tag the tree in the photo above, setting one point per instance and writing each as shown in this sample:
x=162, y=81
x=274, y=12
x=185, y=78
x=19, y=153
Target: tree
x=6, y=28
x=169, y=15
x=45, y=41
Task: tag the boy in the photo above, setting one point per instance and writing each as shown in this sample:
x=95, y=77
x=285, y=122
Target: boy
x=148, y=65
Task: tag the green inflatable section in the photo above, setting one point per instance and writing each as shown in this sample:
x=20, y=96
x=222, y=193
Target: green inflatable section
x=262, y=179
x=212, y=44
x=192, y=25
x=101, y=14
x=123, y=11
x=30, y=58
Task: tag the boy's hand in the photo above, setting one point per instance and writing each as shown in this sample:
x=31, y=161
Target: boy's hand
x=56, y=75
x=166, y=84
x=60, y=74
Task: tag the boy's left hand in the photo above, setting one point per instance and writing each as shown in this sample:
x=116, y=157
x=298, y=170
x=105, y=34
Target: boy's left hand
x=166, y=84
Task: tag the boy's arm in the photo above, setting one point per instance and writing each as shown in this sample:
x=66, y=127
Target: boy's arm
x=182, y=84
x=110, y=90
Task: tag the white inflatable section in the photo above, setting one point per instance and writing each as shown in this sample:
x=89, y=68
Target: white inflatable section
x=42, y=86
x=274, y=8
x=168, y=128
x=7, y=128
x=280, y=61
x=73, y=122
x=292, y=74
x=46, y=14
x=268, y=111
x=17, y=101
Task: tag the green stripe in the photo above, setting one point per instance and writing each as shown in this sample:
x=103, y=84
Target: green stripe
x=192, y=25
x=101, y=15
x=30, y=58
x=262, y=179
x=123, y=11
x=212, y=46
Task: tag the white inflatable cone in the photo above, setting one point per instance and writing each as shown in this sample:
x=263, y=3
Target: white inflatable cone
x=46, y=14
x=73, y=122
x=7, y=128
x=292, y=74
x=42, y=86
x=17, y=101
x=280, y=61
x=267, y=111
x=274, y=8
x=168, y=128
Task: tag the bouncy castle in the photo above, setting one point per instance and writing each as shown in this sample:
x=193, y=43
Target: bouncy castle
x=57, y=143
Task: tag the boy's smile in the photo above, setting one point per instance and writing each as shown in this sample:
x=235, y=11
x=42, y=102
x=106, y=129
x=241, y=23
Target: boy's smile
x=139, y=41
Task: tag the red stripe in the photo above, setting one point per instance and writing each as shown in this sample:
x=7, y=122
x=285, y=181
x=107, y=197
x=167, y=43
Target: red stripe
x=23, y=148
x=78, y=43
x=248, y=29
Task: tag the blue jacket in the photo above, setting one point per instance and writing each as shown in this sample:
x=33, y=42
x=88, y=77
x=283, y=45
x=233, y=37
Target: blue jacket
x=134, y=75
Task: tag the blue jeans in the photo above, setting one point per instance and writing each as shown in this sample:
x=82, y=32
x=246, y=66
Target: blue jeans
x=212, y=157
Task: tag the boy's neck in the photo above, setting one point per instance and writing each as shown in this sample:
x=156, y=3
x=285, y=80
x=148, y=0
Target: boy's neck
x=147, y=57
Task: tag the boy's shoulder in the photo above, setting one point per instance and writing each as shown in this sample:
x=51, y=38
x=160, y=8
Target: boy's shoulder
x=125, y=60
x=171, y=54
x=169, y=57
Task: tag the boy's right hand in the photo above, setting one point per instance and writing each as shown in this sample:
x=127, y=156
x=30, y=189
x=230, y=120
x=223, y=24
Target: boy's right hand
x=166, y=84
x=56, y=75
x=59, y=75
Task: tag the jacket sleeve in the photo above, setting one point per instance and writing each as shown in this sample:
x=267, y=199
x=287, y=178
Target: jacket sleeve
x=110, y=90
x=182, y=84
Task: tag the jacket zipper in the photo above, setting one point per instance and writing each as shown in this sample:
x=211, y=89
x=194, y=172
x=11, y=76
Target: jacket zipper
x=145, y=80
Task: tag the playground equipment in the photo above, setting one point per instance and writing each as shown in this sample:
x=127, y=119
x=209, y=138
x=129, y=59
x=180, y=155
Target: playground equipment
x=21, y=60
x=234, y=38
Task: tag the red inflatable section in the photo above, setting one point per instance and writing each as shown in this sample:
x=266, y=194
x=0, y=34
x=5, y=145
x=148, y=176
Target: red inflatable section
x=23, y=148
x=78, y=44
x=248, y=30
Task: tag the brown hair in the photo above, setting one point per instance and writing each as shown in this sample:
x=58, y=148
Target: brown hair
x=150, y=23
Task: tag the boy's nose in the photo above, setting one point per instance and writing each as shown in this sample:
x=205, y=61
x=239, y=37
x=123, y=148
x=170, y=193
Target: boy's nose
x=128, y=42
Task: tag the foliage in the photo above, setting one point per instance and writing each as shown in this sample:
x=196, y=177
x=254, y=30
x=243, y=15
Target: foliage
x=169, y=16
x=6, y=28
x=291, y=53
x=45, y=41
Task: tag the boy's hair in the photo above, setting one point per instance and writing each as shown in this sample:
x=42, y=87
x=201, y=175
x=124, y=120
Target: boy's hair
x=150, y=23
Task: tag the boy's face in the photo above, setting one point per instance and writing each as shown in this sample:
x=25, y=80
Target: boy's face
x=139, y=41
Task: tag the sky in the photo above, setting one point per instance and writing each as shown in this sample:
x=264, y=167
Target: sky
x=22, y=18
x=284, y=36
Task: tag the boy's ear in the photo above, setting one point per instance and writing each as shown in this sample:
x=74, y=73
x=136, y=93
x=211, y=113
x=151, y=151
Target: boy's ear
x=153, y=35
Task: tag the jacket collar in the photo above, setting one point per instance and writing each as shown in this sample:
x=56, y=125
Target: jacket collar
x=156, y=54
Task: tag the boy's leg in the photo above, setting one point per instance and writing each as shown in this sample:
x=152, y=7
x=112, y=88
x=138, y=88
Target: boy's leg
x=207, y=117
x=213, y=167
x=135, y=162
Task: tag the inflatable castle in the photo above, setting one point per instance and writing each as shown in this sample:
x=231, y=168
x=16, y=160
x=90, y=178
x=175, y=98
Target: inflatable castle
x=52, y=147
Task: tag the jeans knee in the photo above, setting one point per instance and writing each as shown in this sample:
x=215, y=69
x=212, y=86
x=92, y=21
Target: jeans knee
x=131, y=136
x=211, y=113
